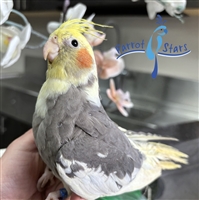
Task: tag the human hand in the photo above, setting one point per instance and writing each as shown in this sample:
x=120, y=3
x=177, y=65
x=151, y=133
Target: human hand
x=21, y=167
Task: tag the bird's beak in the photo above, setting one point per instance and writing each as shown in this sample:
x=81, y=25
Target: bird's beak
x=166, y=31
x=51, y=49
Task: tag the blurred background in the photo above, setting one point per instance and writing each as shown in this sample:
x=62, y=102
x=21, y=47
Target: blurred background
x=102, y=7
x=167, y=105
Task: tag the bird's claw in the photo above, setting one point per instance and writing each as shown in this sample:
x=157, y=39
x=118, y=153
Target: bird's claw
x=53, y=196
x=59, y=194
x=47, y=177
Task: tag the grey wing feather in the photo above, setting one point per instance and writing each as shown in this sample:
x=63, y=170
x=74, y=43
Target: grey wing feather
x=50, y=132
x=76, y=132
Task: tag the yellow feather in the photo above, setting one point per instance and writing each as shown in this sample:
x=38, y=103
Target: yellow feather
x=50, y=89
x=65, y=65
x=166, y=165
x=161, y=154
x=82, y=26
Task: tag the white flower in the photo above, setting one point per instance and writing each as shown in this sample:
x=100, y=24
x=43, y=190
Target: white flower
x=107, y=63
x=5, y=9
x=153, y=7
x=173, y=8
x=120, y=98
x=12, y=41
x=76, y=12
x=97, y=38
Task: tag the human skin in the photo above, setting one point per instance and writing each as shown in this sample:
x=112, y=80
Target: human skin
x=21, y=167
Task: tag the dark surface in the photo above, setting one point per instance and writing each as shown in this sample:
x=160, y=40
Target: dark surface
x=174, y=184
x=184, y=131
x=181, y=183
x=10, y=130
x=120, y=7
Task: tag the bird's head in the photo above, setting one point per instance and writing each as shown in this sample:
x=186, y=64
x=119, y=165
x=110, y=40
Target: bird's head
x=161, y=30
x=69, y=55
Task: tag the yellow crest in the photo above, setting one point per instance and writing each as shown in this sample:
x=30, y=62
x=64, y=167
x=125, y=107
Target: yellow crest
x=82, y=26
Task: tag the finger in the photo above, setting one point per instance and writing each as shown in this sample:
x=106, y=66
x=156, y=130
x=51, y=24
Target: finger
x=26, y=142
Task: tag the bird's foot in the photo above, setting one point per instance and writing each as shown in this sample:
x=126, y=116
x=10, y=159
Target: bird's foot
x=53, y=196
x=58, y=195
x=47, y=177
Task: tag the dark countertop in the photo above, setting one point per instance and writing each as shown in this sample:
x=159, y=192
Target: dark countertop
x=184, y=131
x=177, y=184
x=182, y=184
x=27, y=85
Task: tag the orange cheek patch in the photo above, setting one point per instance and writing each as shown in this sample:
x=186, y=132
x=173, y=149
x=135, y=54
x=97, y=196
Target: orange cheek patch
x=84, y=59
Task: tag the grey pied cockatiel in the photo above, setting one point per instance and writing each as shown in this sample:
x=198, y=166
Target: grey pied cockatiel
x=77, y=140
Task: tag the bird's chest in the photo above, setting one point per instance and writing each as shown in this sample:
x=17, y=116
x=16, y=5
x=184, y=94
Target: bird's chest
x=57, y=125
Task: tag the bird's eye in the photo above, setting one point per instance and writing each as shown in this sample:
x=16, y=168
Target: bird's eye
x=74, y=43
x=161, y=29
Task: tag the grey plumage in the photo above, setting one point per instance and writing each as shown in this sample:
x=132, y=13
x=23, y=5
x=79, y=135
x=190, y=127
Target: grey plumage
x=76, y=139
x=77, y=131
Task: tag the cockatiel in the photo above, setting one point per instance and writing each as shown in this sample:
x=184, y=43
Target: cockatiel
x=76, y=139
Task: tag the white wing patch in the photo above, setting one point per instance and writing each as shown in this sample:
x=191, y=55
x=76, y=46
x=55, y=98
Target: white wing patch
x=91, y=183
x=66, y=164
x=102, y=155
